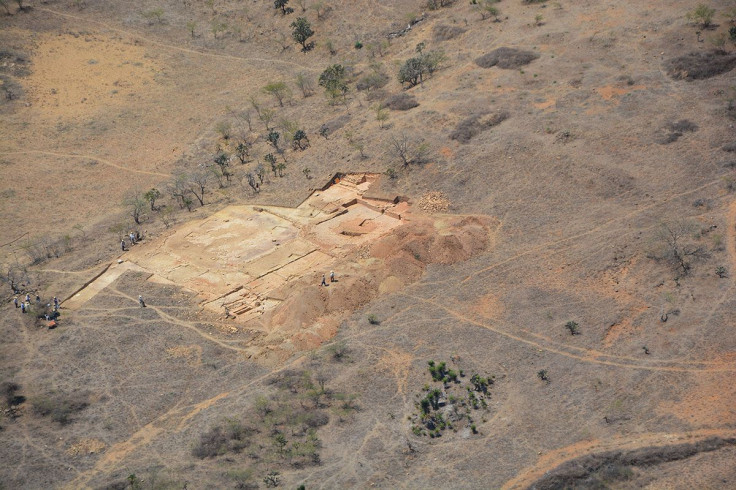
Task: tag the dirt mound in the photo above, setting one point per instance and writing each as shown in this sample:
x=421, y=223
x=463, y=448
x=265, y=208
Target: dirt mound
x=420, y=241
x=401, y=102
x=700, y=65
x=311, y=313
x=506, y=58
x=474, y=125
x=434, y=202
x=85, y=446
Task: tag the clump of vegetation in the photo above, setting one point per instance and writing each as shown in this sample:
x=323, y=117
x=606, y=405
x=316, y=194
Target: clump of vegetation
x=702, y=15
x=230, y=436
x=401, y=102
x=373, y=320
x=721, y=272
x=272, y=479
x=452, y=403
x=700, y=65
x=60, y=407
x=281, y=429
x=573, y=327
x=440, y=372
x=672, y=131
x=9, y=394
x=476, y=124
x=339, y=351
x=283, y=5
x=438, y=4
x=543, y=375
x=487, y=8
x=416, y=69
x=506, y=58
x=372, y=81
x=444, y=32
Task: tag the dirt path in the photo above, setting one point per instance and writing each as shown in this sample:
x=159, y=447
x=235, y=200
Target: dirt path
x=174, y=419
x=173, y=47
x=182, y=323
x=87, y=157
x=146, y=434
x=553, y=459
x=582, y=354
x=99, y=283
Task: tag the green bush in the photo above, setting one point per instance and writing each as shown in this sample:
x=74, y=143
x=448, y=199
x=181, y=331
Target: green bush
x=572, y=327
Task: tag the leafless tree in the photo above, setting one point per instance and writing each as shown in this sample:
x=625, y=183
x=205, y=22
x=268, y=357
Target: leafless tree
x=407, y=150
x=305, y=84
x=198, y=181
x=675, y=240
x=251, y=178
x=136, y=204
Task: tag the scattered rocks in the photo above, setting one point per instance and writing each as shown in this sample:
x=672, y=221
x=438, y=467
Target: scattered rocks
x=434, y=202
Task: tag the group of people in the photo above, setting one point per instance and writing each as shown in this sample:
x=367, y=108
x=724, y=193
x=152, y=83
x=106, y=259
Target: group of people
x=133, y=236
x=324, y=278
x=25, y=304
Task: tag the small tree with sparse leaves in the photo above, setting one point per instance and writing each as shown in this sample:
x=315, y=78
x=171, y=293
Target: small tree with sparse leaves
x=151, y=196
x=702, y=14
x=271, y=160
x=279, y=90
x=242, y=151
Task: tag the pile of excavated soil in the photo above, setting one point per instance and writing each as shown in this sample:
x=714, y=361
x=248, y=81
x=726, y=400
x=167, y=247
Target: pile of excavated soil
x=434, y=202
x=311, y=313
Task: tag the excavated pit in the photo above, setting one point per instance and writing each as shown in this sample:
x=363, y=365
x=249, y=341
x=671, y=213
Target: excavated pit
x=261, y=266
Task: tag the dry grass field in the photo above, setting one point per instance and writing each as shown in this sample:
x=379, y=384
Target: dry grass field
x=535, y=271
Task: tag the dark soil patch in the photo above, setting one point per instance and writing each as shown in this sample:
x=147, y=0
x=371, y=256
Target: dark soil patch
x=335, y=124
x=506, y=58
x=700, y=65
x=474, y=125
x=672, y=131
x=443, y=32
x=731, y=110
x=401, y=102
x=591, y=471
x=60, y=407
x=729, y=146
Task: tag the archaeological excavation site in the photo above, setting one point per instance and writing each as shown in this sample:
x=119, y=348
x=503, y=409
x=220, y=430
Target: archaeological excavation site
x=415, y=244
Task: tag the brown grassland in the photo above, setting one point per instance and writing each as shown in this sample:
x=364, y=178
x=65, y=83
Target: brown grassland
x=551, y=214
